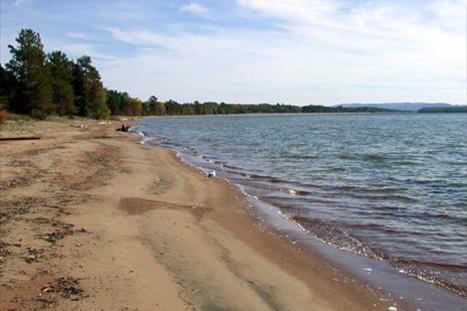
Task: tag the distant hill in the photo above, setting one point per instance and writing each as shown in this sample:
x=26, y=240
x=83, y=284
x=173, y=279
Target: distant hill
x=451, y=109
x=399, y=106
x=339, y=109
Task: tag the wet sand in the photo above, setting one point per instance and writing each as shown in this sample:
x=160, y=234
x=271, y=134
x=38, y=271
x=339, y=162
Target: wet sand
x=92, y=220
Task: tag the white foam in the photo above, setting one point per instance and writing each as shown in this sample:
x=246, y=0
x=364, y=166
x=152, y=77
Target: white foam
x=283, y=215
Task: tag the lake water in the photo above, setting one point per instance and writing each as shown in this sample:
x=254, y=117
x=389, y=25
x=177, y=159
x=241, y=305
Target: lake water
x=386, y=186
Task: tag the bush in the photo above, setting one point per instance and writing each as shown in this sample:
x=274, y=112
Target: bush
x=115, y=118
x=38, y=114
x=102, y=112
x=19, y=117
x=3, y=115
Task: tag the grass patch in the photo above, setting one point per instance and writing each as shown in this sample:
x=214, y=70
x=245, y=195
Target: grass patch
x=17, y=123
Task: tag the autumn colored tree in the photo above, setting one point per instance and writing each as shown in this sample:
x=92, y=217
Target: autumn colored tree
x=134, y=108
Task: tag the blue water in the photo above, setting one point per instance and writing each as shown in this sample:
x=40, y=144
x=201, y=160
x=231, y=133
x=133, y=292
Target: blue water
x=387, y=186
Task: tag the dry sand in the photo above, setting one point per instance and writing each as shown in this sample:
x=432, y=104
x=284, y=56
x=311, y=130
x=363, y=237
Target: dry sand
x=92, y=220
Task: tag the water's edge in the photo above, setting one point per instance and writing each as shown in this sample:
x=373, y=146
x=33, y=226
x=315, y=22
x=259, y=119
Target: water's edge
x=397, y=285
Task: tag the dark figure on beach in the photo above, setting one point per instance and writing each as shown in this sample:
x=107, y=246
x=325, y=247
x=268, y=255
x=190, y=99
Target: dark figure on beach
x=124, y=128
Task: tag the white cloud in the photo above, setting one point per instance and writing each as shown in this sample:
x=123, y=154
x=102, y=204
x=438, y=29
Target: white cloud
x=77, y=35
x=18, y=3
x=195, y=8
x=138, y=37
x=294, y=51
x=323, y=52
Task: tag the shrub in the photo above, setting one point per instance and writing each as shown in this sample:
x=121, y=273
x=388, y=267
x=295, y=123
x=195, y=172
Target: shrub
x=3, y=115
x=38, y=114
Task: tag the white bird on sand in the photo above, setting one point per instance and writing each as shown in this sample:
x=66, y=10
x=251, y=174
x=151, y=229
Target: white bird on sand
x=291, y=191
x=212, y=173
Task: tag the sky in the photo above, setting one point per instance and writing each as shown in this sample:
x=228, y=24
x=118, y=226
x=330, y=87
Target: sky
x=252, y=51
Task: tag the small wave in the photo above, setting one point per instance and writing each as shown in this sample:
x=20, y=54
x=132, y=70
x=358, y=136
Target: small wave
x=405, y=163
x=256, y=176
x=373, y=157
x=385, y=197
x=233, y=167
x=297, y=192
x=368, y=189
x=448, y=217
x=333, y=235
x=450, y=276
x=302, y=157
x=450, y=266
x=271, y=179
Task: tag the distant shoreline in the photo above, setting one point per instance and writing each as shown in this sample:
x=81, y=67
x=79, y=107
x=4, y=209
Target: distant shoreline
x=292, y=114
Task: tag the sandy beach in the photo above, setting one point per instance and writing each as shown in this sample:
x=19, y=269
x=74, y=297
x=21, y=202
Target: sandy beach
x=92, y=220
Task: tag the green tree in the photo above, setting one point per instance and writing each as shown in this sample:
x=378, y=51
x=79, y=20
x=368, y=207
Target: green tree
x=33, y=94
x=146, y=110
x=152, y=101
x=90, y=96
x=113, y=101
x=7, y=87
x=61, y=73
x=120, y=102
x=172, y=107
x=101, y=111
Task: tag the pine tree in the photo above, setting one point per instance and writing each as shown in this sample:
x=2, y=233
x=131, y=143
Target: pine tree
x=33, y=94
x=7, y=87
x=61, y=73
x=90, y=94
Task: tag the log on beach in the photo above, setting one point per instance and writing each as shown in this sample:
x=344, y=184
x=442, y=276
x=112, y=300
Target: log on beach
x=20, y=138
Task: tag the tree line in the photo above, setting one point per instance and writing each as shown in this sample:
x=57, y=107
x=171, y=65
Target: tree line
x=41, y=84
x=452, y=109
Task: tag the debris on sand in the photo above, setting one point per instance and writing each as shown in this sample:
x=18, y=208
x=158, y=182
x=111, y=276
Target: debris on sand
x=63, y=231
x=4, y=252
x=68, y=287
x=32, y=255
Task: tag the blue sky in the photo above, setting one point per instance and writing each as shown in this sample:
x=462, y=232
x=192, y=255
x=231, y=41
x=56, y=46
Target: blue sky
x=250, y=51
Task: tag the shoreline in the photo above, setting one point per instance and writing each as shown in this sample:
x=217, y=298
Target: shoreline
x=92, y=219
x=395, y=285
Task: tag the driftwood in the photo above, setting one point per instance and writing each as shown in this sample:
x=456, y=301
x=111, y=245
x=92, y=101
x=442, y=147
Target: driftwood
x=79, y=126
x=20, y=138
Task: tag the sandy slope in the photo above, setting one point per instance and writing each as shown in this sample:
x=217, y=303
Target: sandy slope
x=91, y=220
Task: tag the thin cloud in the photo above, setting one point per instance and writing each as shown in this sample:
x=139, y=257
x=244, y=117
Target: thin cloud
x=19, y=3
x=195, y=8
x=77, y=35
